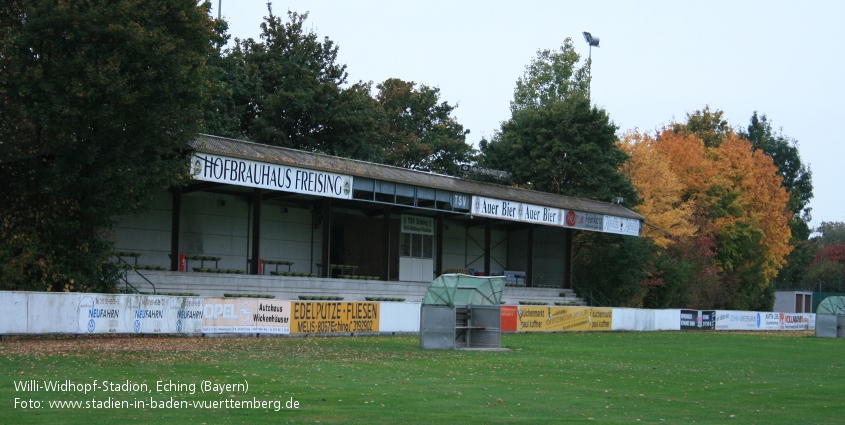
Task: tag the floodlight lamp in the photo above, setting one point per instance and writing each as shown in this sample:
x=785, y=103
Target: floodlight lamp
x=592, y=41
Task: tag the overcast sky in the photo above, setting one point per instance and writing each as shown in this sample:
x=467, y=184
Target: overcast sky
x=657, y=60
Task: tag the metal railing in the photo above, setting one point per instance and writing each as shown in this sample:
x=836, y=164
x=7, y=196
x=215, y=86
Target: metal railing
x=593, y=297
x=126, y=268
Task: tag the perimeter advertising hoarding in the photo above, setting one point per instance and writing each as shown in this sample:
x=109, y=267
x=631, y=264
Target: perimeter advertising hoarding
x=797, y=321
x=246, y=315
x=748, y=321
x=148, y=314
x=510, y=318
x=544, y=319
x=316, y=317
x=264, y=175
x=698, y=319
x=528, y=213
x=102, y=313
x=739, y=321
x=688, y=319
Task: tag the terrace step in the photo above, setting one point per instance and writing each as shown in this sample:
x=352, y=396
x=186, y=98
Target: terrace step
x=292, y=287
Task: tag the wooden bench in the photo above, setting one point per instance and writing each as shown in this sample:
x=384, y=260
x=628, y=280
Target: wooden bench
x=202, y=259
x=275, y=263
x=342, y=267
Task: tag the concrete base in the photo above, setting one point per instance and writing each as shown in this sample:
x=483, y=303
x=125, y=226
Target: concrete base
x=290, y=288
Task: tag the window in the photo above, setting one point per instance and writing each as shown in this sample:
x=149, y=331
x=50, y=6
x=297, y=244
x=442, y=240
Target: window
x=385, y=191
x=425, y=197
x=414, y=245
x=362, y=188
x=444, y=200
x=404, y=194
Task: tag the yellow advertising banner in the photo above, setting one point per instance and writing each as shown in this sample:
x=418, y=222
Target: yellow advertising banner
x=544, y=319
x=312, y=317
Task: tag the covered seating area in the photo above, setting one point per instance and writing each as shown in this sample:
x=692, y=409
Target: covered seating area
x=311, y=216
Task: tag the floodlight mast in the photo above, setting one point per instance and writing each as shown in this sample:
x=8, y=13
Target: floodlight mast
x=591, y=41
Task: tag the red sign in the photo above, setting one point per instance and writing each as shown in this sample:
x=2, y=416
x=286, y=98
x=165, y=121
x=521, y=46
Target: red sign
x=510, y=317
x=570, y=218
x=183, y=262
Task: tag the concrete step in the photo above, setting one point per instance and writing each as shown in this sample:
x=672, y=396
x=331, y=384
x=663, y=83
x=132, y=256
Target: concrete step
x=290, y=288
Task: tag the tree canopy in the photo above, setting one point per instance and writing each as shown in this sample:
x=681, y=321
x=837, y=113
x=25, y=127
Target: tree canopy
x=289, y=89
x=293, y=85
x=797, y=180
x=826, y=268
x=668, y=212
x=551, y=77
x=97, y=98
x=723, y=198
x=419, y=132
x=555, y=141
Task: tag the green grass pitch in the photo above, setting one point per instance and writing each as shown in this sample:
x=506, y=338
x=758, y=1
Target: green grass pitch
x=629, y=378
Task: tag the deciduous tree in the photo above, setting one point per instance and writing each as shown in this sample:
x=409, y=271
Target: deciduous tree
x=97, y=98
x=668, y=215
x=797, y=180
x=826, y=270
x=568, y=148
x=293, y=91
x=419, y=131
x=738, y=200
x=552, y=76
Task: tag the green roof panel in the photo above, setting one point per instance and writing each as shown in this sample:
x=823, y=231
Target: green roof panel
x=460, y=289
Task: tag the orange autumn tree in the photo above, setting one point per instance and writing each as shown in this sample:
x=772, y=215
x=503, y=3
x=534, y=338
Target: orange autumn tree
x=762, y=200
x=737, y=199
x=667, y=214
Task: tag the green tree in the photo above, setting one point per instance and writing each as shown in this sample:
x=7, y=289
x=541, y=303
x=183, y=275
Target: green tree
x=614, y=270
x=686, y=276
x=797, y=180
x=568, y=149
x=97, y=98
x=419, y=132
x=228, y=83
x=829, y=233
x=708, y=125
x=555, y=141
x=291, y=92
x=550, y=78
x=826, y=269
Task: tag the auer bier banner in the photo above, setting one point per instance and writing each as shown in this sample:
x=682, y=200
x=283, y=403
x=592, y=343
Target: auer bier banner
x=528, y=213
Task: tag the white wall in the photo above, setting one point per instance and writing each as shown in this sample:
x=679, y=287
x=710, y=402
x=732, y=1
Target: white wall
x=464, y=248
x=220, y=226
